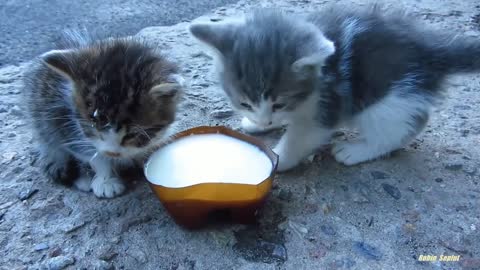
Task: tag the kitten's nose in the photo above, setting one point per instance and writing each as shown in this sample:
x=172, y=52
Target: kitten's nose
x=112, y=154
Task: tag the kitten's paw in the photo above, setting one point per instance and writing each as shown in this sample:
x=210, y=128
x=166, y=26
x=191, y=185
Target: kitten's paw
x=84, y=183
x=351, y=153
x=285, y=161
x=250, y=127
x=107, y=187
x=60, y=171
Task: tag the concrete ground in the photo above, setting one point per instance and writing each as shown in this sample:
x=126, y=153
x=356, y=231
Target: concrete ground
x=380, y=215
x=31, y=27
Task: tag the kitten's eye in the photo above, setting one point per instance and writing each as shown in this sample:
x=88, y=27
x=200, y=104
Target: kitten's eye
x=129, y=136
x=88, y=104
x=278, y=106
x=246, y=106
x=155, y=129
x=100, y=121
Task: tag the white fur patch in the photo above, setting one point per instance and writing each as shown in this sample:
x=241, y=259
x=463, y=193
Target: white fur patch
x=263, y=113
x=384, y=127
x=303, y=136
x=110, y=141
x=104, y=185
x=250, y=127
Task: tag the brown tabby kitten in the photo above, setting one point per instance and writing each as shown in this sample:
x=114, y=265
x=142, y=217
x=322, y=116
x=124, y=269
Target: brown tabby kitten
x=104, y=102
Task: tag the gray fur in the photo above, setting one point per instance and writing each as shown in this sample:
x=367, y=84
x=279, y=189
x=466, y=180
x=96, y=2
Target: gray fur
x=97, y=95
x=378, y=54
x=258, y=57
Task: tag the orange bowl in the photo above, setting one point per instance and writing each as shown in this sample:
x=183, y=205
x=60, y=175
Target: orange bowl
x=192, y=206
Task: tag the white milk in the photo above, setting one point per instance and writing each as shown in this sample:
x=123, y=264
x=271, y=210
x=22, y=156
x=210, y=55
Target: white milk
x=212, y=158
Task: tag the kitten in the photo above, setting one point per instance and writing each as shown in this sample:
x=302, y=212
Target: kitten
x=114, y=97
x=367, y=69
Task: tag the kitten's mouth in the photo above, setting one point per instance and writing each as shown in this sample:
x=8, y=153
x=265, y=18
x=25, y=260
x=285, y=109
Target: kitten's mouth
x=112, y=154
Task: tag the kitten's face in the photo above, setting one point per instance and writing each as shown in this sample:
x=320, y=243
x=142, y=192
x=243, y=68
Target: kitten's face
x=124, y=95
x=269, y=104
x=269, y=64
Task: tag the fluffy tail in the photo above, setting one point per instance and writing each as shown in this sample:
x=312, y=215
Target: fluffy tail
x=459, y=55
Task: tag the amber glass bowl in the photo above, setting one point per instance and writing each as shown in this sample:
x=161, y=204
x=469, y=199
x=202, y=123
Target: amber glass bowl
x=193, y=206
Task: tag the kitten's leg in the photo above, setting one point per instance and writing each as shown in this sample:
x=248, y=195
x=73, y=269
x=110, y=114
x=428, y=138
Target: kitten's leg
x=384, y=127
x=84, y=182
x=299, y=141
x=104, y=184
x=250, y=127
x=58, y=165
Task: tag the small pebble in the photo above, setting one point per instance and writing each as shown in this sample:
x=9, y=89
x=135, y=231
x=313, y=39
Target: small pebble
x=310, y=208
x=200, y=54
x=280, y=252
x=285, y=195
x=470, y=263
x=55, y=253
x=71, y=227
x=40, y=247
x=107, y=253
x=367, y=251
x=454, y=166
x=328, y=230
x=102, y=265
x=392, y=191
x=12, y=135
x=59, y=262
x=379, y=175
x=359, y=198
x=319, y=251
x=220, y=114
x=138, y=255
x=26, y=194
x=359, y=192
x=470, y=171
x=345, y=263
x=462, y=107
x=273, y=250
x=438, y=180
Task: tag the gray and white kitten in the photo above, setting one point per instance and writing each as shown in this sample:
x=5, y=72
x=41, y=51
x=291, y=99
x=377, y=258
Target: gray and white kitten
x=114, y=97
x=367, y=69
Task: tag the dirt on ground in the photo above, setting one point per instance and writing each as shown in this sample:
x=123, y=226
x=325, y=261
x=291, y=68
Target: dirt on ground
x=423, y=200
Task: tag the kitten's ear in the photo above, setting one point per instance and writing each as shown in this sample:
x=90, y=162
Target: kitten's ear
x=311, y=66
x=60, y=61
x=168, y=89
x=216, y=35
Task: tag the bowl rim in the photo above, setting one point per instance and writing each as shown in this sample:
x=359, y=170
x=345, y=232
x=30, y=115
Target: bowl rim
x=198, y=130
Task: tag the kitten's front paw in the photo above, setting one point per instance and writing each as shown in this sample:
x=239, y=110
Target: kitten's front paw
x=60, y=171
x=285, y=161
x=107, y=187
x=351, y=153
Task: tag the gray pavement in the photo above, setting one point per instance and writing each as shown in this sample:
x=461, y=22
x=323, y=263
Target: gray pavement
x=30, y=27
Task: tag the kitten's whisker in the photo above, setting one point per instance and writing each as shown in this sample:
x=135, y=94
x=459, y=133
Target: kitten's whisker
x=142, y=130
